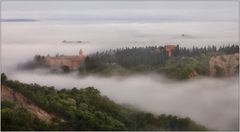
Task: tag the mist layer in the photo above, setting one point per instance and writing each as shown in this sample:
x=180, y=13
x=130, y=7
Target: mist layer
x=208, y=101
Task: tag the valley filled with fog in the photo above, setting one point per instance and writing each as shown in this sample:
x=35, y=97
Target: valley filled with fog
x=208, y=101
x=30, y=28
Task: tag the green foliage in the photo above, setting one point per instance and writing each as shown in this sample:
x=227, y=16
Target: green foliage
x=126, y=58
x=94, y=65
x=3, y=78
x=202, y=64
x=237, y=69
x=37, y=62
x=7, y=104
x=86, y=109
x=65, y=69
x=219, y=71
x=229, y=49
x=182, y=67
x=17, y=118
x=154, y=59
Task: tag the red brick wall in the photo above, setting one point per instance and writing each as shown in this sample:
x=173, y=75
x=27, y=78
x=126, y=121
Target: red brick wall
x=70, y=61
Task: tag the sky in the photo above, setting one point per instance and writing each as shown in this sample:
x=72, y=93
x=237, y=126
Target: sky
x=127, y=11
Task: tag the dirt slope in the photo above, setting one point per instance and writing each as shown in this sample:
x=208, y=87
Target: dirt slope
x=11, y=95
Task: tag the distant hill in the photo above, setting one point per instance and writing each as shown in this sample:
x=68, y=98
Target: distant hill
x=18, y=20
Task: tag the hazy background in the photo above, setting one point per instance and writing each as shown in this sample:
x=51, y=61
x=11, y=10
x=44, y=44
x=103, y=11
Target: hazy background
x=22, y=40
x=112, y=24
x=108, y=24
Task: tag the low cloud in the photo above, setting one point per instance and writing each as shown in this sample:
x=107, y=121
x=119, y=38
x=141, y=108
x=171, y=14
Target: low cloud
x=210, y=102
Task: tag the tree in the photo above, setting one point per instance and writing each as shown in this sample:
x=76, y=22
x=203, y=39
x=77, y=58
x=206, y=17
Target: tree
x=65, y=69
x=3, y=78
x=219, y=71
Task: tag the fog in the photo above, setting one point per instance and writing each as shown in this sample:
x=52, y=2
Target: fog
x=210, y=102
x=122, y=34
x=22, y=40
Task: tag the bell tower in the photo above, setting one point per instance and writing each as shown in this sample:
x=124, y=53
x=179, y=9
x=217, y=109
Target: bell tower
x=80, y=53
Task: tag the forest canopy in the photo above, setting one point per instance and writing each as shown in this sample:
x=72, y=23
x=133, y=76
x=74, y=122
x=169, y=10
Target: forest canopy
x=179, y=65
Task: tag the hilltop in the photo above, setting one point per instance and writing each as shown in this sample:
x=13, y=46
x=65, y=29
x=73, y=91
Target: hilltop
x=172, y=61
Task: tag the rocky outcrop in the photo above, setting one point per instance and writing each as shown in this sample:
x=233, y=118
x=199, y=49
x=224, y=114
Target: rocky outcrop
x=224, y=65
x=20, y=100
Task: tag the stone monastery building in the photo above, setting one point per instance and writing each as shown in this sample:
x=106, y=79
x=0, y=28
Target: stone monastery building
x=72, y=62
